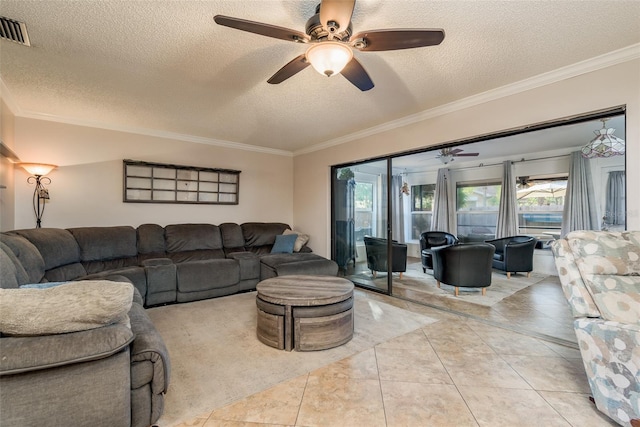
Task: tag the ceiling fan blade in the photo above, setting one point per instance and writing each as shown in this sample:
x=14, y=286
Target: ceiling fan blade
x=456, y=151
x=394, y=39
x=338, y=11
x=294, y=66
x=467, y=155
x=262, y=29
x=357, y=75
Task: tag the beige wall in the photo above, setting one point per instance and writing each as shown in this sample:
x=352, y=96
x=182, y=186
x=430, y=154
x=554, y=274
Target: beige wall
x=86, y=188
x=597, y=90
x=7, y=190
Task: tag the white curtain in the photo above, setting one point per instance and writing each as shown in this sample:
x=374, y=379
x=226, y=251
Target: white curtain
x=444, y=204
x=616, y=199
x=508, y=212
x=580, y=211
x=397, y=208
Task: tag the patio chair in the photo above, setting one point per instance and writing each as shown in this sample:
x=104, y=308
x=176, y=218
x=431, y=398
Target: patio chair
x=464, y=265
x=431, y=239
x=377, y=255
x=514, y=254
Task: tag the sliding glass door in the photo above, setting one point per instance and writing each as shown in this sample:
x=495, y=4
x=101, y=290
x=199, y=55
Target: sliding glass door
x=399, y=197
x=360, y=223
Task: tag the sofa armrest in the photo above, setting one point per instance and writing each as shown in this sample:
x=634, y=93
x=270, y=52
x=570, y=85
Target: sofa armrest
x=31, y=353
x=612, y=365
x=249, y=264
x=148, y=347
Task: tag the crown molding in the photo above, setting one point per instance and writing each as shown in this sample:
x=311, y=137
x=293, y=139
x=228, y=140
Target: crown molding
x=626, y=54
x=157, y=133
x=18, y=112
x=609, y=59
x=8, y=99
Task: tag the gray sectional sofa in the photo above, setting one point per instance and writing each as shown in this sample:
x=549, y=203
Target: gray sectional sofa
x=117, y=374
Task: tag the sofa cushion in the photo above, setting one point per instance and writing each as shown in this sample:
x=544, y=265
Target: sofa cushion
x=232, y=237
x=25, y=354
x=301, y=240
x=27, y=254
x=151, y=240
x=617, y=297
x=12, y=274
x=197, y=276
x=105, y=243
x=192, y=237
x=573, y=286
x=258, y=234
x=610, y=268
x=56, y=246
x=604, y=253
x=70, y=307
x=284, y=244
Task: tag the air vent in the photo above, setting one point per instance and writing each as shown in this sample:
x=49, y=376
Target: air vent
x=14, y=31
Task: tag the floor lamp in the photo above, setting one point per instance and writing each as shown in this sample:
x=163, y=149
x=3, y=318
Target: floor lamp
x=40, y=194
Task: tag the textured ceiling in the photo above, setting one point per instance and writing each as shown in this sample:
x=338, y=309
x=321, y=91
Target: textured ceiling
x=166, y=66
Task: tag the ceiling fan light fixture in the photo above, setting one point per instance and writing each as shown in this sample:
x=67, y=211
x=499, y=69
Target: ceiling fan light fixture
x=446, y=159
x=329, y=58
x=605, y=144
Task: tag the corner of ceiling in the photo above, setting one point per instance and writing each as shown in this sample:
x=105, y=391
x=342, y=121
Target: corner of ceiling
x=609, y=59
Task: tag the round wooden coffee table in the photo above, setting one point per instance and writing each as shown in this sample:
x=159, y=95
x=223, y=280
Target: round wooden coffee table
x=305, y=313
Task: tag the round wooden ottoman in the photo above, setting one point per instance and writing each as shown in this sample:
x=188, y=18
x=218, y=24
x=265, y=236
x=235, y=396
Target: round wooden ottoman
x=305, y=313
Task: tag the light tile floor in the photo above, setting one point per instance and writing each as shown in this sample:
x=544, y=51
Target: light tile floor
x=459, y=371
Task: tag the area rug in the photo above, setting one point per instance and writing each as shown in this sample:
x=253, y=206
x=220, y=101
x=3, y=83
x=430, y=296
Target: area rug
x=216, y=358
x=415, y=282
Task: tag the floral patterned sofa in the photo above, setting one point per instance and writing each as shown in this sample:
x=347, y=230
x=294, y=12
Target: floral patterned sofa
x=600, y=276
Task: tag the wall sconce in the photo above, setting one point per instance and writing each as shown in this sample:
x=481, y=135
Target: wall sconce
x=40, y=194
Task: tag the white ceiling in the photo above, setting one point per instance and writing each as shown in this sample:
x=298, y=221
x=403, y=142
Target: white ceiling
x=165, y=66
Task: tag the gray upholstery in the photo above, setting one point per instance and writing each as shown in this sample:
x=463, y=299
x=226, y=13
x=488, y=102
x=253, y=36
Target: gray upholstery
x=28, y=256
x=115, y=242
x=272, y=265
x=232, y=237
x=56, y=246
x=78, y=394
x=151, y=241
x=122, y=382
x=12, y=274
x=259, y=237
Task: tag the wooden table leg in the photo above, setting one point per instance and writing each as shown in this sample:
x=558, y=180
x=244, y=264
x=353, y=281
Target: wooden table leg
x=288, y=328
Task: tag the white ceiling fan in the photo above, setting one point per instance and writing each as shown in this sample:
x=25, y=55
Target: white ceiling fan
x=448, y=155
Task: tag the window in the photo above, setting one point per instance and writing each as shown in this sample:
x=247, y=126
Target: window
x=364, y=209
x=421, y=208
x=477, y=210
x=540, y=204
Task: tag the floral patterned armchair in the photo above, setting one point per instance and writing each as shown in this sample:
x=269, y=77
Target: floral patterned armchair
x=600, y=276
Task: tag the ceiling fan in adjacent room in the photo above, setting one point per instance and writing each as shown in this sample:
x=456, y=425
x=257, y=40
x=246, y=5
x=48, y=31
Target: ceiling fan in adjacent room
x=329, y=35
x=448, y=155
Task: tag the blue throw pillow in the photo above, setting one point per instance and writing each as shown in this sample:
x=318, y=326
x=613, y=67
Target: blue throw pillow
x=45, y=285
x=284, y=244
